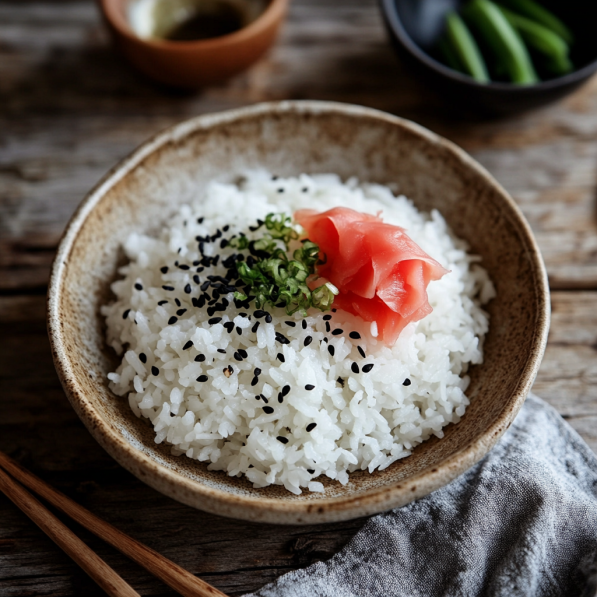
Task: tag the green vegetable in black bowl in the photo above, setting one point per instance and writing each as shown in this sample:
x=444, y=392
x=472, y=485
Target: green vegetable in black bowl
x=519, y=40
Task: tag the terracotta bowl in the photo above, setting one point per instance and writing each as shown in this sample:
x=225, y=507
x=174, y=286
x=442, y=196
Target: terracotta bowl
x=289, y=138
x=193, y=64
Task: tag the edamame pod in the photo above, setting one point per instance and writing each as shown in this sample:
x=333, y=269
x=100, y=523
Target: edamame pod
x=532, y=10
x=465, y=47
x=503, y=40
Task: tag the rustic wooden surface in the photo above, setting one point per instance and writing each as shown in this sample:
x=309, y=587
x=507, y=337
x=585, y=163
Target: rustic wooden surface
x=70, y=108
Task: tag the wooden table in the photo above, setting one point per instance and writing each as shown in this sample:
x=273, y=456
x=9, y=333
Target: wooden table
x=70, y=108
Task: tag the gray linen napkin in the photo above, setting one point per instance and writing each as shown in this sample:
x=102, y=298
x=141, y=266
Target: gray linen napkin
x=523, y=521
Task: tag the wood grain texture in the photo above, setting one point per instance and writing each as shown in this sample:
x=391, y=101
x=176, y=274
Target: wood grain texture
x=70, y=108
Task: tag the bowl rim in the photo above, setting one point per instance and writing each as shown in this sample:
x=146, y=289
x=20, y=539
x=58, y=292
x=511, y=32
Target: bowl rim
x=272, y=14
x=393, y=20
x=275, y=510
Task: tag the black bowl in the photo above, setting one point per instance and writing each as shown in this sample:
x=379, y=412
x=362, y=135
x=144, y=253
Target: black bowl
x=414, y=27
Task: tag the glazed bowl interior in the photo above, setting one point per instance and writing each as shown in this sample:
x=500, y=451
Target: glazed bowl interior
x=289, y=138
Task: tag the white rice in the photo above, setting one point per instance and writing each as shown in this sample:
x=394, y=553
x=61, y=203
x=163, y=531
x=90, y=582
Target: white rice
x=365, y=421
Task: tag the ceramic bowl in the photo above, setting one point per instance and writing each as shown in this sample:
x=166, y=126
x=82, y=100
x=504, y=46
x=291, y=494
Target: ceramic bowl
x=288, y=138
x=194, y=64
x=414, y=27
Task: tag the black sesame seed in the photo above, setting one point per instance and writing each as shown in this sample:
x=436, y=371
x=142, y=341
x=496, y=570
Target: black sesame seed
x=196, y=279
x=283, y=440
x=331, y=349
x=268, y=318
x=281, y=338
x=188, y=289
x=126, y=313
x=199, y=220
x=355, y=335
x=143, y=357
x=202, y=378
x=155, y=370
x=214, y=320
x=327, y=327
x=308, y=340
x=168, y=287
x=337, y=332
x=195, y=263
x=254, y=381
x=280, y=397
x=243, y=353
x=367, y=368
x=230, y=369
x=188, y=345
x=259, y=313
x=292, y=324
x=257, y=397
x=285, y=390
x=237, y=356
x=264, y=398
x=162, y=302
x=304, y=189
x=406, y=382
x=334, y=310
x=361, y=352
x=257, y=371
x=310, y=471
x=268, y=410
x=200, y=358
x=309, y=387
x=226, y=228
x=280, y=190
x=304, y=324
x=177, y=302
x=327, y=317
x=325, y=340
x=172, y=320
x=275, y=177
x=179, y=250
x=222, y=350
x=229, y=325
x=239, y=331
x=214, y=260
x=254, y=328
x=164, y=269
x=184, y=266
x=280, y=357
x=205, y=285
x=181, y=312
x=138, y=286
x=311, y=426
x=355, y=368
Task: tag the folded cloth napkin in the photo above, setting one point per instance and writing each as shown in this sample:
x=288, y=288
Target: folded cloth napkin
x=523, y=521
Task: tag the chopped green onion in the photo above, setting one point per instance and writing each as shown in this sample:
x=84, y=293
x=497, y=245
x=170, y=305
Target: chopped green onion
x=537, y=13
x=465, y=47
x=272, y=278
x=503, y=39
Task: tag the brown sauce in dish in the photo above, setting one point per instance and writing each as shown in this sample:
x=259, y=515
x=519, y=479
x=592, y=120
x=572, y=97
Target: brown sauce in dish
x=223, y=19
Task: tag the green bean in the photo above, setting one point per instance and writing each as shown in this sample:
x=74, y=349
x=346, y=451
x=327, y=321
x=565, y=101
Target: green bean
x=465, y=47
x=503, y=39
x=537, y=36
x=450, y=58
x=537, y=13
x=559, y=66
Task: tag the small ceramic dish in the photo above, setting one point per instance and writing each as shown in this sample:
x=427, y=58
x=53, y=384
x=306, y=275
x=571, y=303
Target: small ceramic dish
x=289, y=138
x=193, y=64
x=415, y=26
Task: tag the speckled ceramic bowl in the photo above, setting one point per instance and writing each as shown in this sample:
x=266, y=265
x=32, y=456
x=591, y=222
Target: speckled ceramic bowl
x=289, y=138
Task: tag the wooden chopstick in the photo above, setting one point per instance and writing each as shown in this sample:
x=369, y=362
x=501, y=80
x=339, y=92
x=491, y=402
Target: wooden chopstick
x=85, y=557
x=173, y=575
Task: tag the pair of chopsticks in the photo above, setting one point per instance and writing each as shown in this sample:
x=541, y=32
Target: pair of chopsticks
x=12, y=479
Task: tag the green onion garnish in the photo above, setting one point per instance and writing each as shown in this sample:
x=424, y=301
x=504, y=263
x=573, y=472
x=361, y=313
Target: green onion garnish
x=272, y=278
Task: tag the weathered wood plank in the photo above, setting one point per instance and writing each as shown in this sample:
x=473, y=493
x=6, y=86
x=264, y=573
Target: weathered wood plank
x=69, y=109
x=38, y=426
